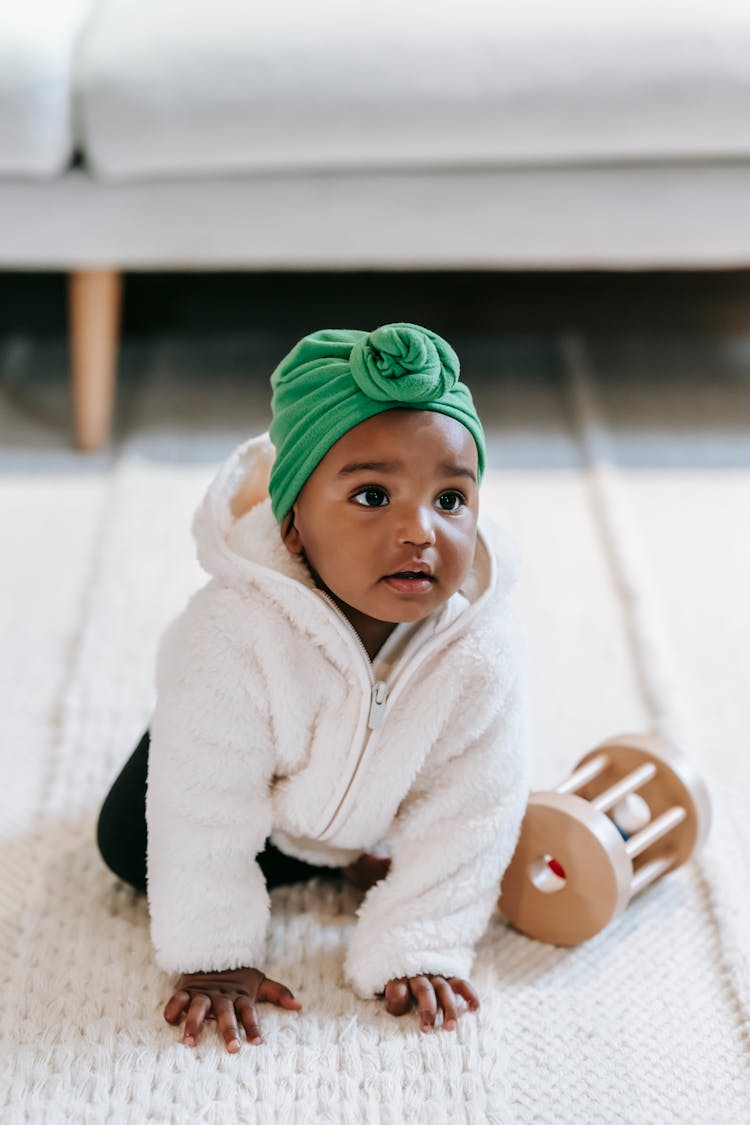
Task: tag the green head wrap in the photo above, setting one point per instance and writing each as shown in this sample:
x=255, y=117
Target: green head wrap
x=336, y=378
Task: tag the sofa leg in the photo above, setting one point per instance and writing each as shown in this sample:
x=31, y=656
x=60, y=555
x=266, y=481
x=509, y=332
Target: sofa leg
x=94, y=301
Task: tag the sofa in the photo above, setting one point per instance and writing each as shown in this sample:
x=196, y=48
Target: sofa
x=178, y=135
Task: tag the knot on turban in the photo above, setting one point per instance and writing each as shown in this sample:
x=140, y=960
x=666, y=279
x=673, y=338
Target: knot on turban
x=404, y=362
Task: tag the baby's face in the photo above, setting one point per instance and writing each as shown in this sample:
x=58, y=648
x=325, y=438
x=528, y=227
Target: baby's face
x=395, y=495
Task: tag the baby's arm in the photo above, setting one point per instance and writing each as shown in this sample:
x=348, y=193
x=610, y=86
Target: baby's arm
x=451, y=841
x=208, y=804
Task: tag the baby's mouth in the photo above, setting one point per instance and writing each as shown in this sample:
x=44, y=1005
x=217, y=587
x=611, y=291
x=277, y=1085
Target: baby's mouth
x=415, y=574
x=409, y=581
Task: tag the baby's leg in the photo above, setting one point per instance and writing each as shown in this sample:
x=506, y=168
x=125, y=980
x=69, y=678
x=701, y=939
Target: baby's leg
x=121, y=831
x=122, y=835
x=280, y=869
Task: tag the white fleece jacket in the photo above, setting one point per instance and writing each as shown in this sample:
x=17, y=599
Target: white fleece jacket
x=269, y=722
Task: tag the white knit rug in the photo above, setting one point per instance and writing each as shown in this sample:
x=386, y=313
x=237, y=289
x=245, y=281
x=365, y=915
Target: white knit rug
x=624, y=475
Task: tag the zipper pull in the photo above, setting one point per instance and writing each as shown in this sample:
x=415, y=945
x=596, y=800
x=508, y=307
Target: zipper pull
x=379, y=695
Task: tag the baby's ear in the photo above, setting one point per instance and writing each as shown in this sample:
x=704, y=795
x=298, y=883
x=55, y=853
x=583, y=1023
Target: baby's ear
x=290, y=535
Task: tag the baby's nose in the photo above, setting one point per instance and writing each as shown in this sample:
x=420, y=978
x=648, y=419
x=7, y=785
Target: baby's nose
x=417, y=530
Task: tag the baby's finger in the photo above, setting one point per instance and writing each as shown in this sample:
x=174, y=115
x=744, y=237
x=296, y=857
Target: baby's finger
x=277, y=994
x=447, y=1002
x=465, y=989
x=249, y=1016
x=398, y=998
x=199, y=1005
x=426, y=1002
x=175, y=1007
x=227, y=1021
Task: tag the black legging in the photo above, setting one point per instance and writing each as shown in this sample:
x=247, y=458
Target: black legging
x=121, y=832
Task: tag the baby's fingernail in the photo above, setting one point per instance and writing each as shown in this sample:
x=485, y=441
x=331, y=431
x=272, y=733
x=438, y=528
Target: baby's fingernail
x=233, y=1044
x=189, y=1041
x=257, y=1039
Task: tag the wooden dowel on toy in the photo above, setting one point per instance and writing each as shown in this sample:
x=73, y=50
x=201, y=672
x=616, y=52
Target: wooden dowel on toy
x=582, y=776
x=625, y=785
x=655, y=830
x=649, y=873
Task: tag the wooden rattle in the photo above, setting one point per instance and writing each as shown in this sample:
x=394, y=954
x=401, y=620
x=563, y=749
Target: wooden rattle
x=589, y=846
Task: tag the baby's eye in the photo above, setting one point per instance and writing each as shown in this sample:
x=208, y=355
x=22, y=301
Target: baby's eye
x=372, y=497
x=450, y=501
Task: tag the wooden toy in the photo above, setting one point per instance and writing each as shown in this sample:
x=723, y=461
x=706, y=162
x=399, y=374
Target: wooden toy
x=632, y=810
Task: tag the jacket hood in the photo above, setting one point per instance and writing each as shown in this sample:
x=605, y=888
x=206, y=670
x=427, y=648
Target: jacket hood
x=238, y=539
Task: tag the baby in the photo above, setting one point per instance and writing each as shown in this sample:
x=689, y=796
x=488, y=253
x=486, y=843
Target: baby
x=348, y=683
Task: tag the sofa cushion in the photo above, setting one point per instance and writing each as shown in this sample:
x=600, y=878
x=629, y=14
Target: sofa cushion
x=38, y=39
x=185, y=86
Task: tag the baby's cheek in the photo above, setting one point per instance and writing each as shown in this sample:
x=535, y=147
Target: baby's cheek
x=460, y=552
x=451, y=576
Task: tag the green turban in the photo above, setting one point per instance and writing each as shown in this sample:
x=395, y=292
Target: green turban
x=336, y=378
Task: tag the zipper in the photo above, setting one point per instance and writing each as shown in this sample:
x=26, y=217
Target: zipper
x=380, y=692
x=378, y=688
x=376, y=714
x=378, y=697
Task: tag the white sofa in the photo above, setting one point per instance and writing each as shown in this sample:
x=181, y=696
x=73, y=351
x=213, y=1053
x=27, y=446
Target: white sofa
x=314, y=134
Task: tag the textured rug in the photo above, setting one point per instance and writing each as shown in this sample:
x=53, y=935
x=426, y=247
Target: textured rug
x=623, y=472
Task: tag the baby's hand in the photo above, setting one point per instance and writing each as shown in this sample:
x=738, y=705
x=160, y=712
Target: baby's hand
x=222, y=996
x=429, y=991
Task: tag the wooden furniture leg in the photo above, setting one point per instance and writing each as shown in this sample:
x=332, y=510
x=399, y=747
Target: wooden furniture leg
x=94, y=301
